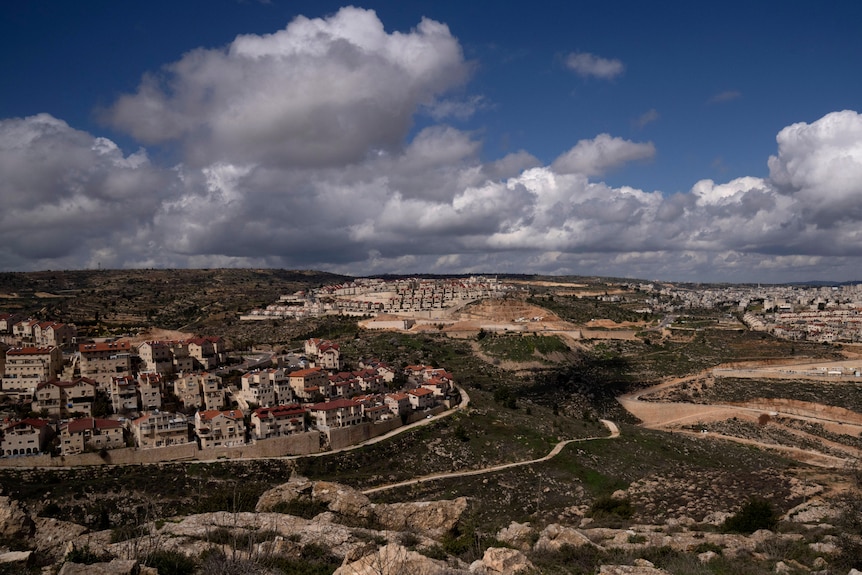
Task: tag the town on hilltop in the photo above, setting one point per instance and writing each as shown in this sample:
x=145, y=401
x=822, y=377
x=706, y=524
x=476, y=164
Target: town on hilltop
x=116, y=399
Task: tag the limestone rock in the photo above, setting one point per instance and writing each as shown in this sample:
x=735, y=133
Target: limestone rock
x=14, y=521
x=630, y=570
x=517, y=535
x=431, y=518
x=52, y=536
x=15, y=557
x=294, y=489
x=505, y=561
x=706, y=556
x=555, y=536
x=113, y=567
x=341, y=499
x=393, y=559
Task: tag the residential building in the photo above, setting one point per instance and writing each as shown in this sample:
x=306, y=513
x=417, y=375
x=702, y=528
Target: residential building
x=160, y=429
x=84, y=434
x=398, y=403
x=421, y=398
x=327, y=353
x=217, y=428
x=123, y=392
x=52, y=333
x=25, y=437
x=257, y=388
x=65, y=398
x=26, y=367
x=150, y=391
x=336, y=413
x=278, y=421
x=196, y=390
x=208, y=352
x=310, y=384
x=156, y=356
x=105, y=360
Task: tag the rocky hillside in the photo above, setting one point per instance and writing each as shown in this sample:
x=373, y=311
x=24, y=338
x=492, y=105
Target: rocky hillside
x=307, y=526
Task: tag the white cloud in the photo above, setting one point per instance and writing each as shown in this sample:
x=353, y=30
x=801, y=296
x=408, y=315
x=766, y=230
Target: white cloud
x=726, y=96
x=646, y=118
x=586, y=65
x=320, y=92
x=601, y=154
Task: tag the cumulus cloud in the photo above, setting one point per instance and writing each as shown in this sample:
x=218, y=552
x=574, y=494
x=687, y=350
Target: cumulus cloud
x=604, y=152
x=300, y=151
x=588, y=65
x=66, y=193
x=322, y=92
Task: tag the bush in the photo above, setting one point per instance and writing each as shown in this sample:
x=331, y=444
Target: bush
x=170, y=563
x=84, y=556
x=755, y=514
x=604, y=506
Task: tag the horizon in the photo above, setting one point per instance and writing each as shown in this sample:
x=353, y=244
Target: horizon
x=696, y=144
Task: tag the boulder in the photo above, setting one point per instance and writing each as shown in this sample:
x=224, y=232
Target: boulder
x=430, y=518
x=15, y=523
x=294, y=489
x=113, y=567
x=52, y=536
x=342, y=500
x=555, y=536
x=518, y=535
x=505, y=561
x=393, y=559
x=15, y=557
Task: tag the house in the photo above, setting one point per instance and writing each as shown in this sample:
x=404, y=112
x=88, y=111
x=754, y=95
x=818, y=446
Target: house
x=52, y=333
x=336, y=413
x=197, y=390
x=208, y=352
x=308, y=384
x=7, y=320
x=257, y=388
x=376, y=412
x=421, y=398
x=123, y=392
x=105, y=360
x=278, y=421
x=87, y=433
x=327, y=353
x=65, y=398
x=26, y=367
x=398, y=403
x=150, y=391
x=160, y=429
x=220, y=428
x=156, y=356
x=25, y=437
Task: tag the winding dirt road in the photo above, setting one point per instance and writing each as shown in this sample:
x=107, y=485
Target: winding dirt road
x=615, y=432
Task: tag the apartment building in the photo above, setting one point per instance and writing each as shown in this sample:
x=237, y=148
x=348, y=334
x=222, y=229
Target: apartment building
x=160, y=429
x=27, y=367
x=105, y=360
x=216, y=428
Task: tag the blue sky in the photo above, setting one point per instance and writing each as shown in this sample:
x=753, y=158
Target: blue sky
x=593, y=138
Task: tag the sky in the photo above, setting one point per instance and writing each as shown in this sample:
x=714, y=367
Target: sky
x=677, y=141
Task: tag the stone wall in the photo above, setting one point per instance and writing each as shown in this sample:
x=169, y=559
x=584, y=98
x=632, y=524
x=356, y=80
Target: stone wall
x=299, y=444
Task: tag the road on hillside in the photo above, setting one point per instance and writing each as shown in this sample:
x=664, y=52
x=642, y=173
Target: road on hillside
x=615, y=432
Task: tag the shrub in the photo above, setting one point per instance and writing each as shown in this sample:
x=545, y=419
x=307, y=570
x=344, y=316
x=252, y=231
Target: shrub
x=755, y=514
x=604, y=506
x=170, y=563
x=83, y=555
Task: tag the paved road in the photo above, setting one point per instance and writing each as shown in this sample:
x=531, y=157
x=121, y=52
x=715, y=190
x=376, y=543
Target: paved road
x=615, y=432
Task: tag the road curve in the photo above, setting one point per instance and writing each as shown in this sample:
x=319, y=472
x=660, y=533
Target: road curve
x=612, y=427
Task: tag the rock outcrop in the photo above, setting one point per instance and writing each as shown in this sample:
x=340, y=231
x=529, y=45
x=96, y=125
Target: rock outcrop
x=15, y=523
x=393, y=559
x=429, y=518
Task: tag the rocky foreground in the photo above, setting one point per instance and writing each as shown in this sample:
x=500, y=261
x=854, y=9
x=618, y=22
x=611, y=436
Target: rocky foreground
x=363, y=538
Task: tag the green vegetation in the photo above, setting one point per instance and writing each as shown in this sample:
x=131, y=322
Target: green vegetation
x=755, y=514
x=523, y=348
